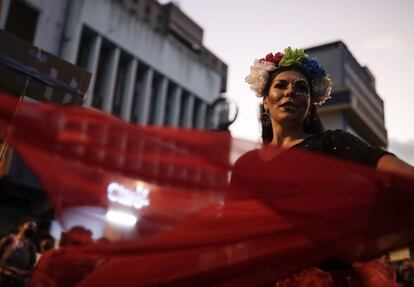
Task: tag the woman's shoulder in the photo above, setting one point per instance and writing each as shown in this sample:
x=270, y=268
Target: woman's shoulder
x=345, y=145
x=343, y=138
x=336, y=136
x=339, y=132
x=333, y=133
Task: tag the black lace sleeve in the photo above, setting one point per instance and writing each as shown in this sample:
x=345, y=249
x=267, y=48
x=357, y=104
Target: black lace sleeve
x=347, y=146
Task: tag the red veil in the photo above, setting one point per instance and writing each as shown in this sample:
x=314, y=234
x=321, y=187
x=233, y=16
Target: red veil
x=189, y=226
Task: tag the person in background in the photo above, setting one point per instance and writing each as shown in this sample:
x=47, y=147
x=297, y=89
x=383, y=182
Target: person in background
x=77, y=236
x=46, y=242
x=18, y=255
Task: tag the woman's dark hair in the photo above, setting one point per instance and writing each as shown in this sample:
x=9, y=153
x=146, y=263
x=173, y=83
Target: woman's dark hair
x=312, y=123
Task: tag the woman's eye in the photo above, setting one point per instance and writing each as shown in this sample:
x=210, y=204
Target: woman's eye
x=303, y=89
x=280, y=85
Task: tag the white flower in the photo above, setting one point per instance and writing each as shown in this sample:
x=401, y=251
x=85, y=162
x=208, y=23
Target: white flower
x=321, y=88
x=259, y=74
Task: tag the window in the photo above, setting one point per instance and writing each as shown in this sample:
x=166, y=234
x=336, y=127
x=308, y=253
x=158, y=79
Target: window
x=120, y=85
x=197, y=112
x=155, y=99
x=147, y=15
x=138, y=97
x=169, y=106
x=85, y=48
x=184, y=111
x=22, y=20
x=101, y=76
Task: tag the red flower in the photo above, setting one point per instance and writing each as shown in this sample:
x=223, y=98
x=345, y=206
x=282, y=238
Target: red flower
x=269, y=57
x=276, y=59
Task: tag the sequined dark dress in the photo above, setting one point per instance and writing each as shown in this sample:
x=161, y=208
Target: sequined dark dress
x=343, y=145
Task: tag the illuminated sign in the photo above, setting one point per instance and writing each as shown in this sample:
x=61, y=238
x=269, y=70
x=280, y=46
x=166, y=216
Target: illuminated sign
x=137, y=198
x=121, y=218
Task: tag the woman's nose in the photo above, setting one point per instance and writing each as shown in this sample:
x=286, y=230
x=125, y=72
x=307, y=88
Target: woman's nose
x=289, y=90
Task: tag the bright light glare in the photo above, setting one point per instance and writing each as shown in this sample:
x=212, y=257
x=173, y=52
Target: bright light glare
x=121, y=218
x=137, y=198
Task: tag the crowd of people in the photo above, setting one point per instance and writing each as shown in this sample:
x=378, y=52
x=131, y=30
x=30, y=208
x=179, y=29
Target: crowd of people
x=20, y=252
x=405, y=272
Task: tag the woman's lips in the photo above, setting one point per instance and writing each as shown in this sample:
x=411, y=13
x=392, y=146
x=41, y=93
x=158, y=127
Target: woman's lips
x=289, y=107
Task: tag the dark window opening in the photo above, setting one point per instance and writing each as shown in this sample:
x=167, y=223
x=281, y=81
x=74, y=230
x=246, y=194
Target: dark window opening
x=138, y=96
x=154, y=99
x=197, y=111
x=85, y=48
x=120, y=85
x=101, y=76
x=185, y=99
x=169, y=105
x=22, y=20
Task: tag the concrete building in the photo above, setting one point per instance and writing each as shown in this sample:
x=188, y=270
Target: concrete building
x=149, y=67
x=148, y=61
x=355, y=105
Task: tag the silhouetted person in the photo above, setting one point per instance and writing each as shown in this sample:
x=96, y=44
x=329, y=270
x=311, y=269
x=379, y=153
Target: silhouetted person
x=18, y=255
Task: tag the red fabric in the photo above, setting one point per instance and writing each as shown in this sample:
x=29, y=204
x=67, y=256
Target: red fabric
x=376, y=273
x=312, y=277
x=196, y=230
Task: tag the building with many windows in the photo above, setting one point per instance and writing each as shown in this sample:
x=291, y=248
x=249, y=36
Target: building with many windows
x=355, y=105
x=148, y=61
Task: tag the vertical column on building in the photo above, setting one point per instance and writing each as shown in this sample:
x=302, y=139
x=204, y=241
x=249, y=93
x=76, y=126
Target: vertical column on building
x=144, y=108
x=212, y=118
x=4, y=11
x=201, y=116
x=161, y=102
x=129, y=89
x=176, y=109
x=93, y=66
x=189, y=111
x=110, y=79
x=73, y=31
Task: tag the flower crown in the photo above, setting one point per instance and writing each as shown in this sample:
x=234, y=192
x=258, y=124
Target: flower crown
x=320, y=83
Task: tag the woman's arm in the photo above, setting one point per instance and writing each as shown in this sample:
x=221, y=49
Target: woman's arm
x=392, y=164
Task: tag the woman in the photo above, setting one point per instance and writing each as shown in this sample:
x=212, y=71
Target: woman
x=292, y=86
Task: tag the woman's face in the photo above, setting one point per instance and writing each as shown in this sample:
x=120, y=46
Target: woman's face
x=288, y=100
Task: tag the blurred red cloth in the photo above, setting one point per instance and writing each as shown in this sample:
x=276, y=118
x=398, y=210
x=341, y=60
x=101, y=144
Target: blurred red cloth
x=197, y=230
x=374, y=273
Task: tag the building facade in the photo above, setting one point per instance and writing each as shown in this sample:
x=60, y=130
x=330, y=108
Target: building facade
x=148, y=61
x=355, y=105
x=148, y=65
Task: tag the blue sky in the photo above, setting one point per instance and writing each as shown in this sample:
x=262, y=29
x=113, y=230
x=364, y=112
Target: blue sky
x=378, y=33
